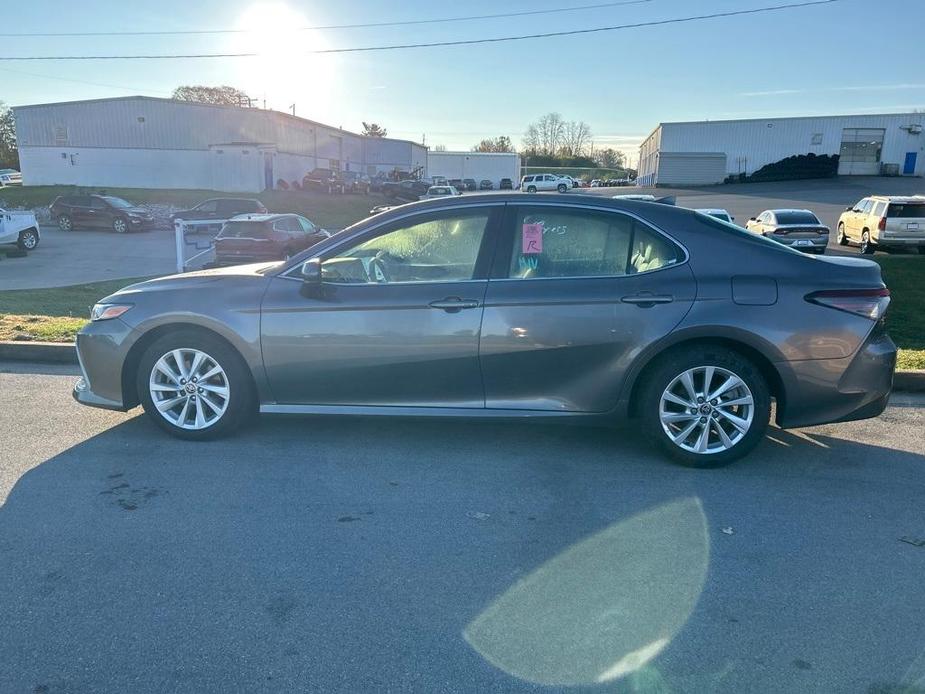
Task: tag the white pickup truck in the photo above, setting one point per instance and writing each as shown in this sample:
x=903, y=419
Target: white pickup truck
x=19, y=228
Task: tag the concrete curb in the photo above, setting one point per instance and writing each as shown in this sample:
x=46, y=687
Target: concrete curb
x=42, y=352
x=64, y=353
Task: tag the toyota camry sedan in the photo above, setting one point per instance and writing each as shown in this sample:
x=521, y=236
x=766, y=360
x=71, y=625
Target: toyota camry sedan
x=501, y=306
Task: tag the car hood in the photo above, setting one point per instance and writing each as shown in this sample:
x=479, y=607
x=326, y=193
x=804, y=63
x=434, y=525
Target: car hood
x=199, y=280
x=138, y=211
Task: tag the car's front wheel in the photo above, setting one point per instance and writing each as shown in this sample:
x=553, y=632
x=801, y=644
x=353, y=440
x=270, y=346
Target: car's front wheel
x=531, y=189
x=705, y=407
x=119, y=225
x=195, y=386
x=28, y=239
x=562, y=188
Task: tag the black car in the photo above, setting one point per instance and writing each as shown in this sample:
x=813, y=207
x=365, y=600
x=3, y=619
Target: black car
x=100, y=212
x=220, y=209
x=470, y=184
x=485, y=184
x=405, y=190
x=356, y=182
x=324, y=181
x=506, y=184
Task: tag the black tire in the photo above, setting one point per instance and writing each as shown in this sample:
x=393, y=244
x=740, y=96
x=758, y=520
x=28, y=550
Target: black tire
x=65, y=223
x=664, y=372
x=867, y=248
x=242, y=399
x=562, y=188
x=28, y=240
x=842, y=236
x=531, y=189
x=120, y=225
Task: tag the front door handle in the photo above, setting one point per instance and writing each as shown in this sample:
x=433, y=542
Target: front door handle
x=452, y=304
x=647, y=299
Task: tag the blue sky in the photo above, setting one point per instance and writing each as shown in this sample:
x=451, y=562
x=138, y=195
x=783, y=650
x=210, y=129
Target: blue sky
x=853, y=56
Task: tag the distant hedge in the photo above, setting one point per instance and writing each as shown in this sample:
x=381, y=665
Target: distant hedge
x=797, y=167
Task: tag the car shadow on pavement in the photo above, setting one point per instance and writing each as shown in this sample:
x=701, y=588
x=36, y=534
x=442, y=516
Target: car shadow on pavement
x=322, y=554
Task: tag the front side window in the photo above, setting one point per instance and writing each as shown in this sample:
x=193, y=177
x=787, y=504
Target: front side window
x=306, y=225
x=118, y=203
x=97, y=204
x=207, y=206
x=550, y=243
x=444, y=249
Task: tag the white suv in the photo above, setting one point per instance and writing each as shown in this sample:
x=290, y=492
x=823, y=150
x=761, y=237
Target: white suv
x=537, y=182
x=884, y=222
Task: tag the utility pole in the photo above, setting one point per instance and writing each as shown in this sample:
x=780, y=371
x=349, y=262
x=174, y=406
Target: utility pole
x=292, y=108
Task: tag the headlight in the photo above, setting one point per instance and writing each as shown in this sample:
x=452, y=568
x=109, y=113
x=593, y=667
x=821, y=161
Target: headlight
x=108, y=311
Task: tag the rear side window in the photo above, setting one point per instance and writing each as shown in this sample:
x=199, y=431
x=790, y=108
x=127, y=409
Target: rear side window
x=243, y=230
x=551, y=243
x=878, y=209
x=906, y=210
x=528, y=179
x=208, y=206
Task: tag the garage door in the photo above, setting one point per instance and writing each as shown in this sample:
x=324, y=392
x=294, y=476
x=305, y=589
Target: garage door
x=691, y=168
x=860, y=151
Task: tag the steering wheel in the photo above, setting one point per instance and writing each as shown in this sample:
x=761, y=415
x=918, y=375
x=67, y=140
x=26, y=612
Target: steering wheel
x=378, y=272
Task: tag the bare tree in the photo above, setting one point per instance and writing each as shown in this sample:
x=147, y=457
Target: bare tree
x=222, y=96
x=439, y=148
x=576, y=136
x=502, y=143
x=374, y=130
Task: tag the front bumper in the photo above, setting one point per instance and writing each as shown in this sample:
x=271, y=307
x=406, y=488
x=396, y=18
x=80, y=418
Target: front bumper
x=822, y=391
x=101, y=350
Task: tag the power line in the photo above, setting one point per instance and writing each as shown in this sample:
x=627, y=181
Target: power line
x=329, y=26
x=134, y=90
x=466, y=42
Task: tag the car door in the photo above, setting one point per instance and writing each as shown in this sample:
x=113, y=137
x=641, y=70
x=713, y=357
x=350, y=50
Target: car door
x=98, y=213
x=78, y=207
x=395, y=320
x=856, y=218
x=575, y=295
x=308, y=235
x=210, y=210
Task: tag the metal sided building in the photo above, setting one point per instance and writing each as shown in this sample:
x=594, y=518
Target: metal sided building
x=144, y=142
x=701, y=153
x=492, y=166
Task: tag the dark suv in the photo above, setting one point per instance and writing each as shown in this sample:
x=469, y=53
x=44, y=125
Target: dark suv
x=356, y=182
x=409, y=190
x=99, y=211
x=256, y=237
x=220, y=209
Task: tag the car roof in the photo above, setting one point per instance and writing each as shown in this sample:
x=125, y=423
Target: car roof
x=898, y=198
x=790, y=209
x=711, y=210
x=266, y=217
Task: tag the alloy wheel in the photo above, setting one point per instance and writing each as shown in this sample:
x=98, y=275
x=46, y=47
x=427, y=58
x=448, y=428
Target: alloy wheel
x=189, y=388
x=120, y=226
x=706, y=409
x=28, y=240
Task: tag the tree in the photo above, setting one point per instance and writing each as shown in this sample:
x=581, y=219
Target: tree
x=609, y=158
x=576, y=136
x=222, y=96
x=502, y=143
x=9, y=153
x=544, y=136
x=374, y=130
x=439, y=148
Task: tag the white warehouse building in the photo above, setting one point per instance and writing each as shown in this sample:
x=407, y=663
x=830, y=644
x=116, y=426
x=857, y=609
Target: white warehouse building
x=144, y=142
x=706, y=152
x=491, y=166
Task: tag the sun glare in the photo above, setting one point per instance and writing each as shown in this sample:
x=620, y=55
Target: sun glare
x=283, y=71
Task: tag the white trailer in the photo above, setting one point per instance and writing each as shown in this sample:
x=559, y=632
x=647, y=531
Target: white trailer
x=492, y=166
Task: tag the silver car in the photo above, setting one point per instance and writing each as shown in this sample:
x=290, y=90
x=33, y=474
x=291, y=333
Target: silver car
x=799, y=229
x=509, y=307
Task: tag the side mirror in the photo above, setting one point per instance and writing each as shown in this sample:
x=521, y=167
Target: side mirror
x=753, y=219
x=311, y=272
x=732, y=219
x=849, y=209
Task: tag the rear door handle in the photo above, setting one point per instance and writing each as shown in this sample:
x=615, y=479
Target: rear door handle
x=452, y=304
x=647, y=300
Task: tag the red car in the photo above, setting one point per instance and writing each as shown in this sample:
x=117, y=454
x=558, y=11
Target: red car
x=254, y=238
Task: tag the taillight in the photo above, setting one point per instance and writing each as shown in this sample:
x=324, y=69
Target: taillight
x=881, y=225
x=869, y=303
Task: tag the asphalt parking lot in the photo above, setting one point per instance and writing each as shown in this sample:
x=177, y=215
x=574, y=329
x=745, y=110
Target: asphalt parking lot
x=359, y=555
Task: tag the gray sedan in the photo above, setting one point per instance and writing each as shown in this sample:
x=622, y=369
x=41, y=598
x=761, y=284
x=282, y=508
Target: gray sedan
x=508, y=307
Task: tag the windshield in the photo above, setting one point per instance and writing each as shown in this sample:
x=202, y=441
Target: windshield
x=796, y=217
x=118, y=202
x=244, y=230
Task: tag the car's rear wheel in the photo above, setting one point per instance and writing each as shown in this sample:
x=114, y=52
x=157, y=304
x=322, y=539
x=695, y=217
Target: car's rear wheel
x=194, y=385
x=28, y=239
x=531, y=189
x=867, y=248
x=842, y=237
x=562, y=188
x=119, y=225
x=65, y=223
x=705, y=407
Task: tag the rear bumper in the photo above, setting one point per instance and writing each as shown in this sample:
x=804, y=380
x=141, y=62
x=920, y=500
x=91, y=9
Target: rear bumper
x=821, y=391
x=798, y=244
x=905, y=242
